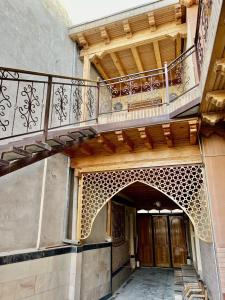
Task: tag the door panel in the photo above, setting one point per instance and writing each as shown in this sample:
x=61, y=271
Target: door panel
x=161, y=241
x=178, y=241
x=145, y=248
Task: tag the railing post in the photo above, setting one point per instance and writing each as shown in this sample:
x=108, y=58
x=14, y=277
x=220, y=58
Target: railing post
x=167, y=84
x=47, y=108
x=98, y=99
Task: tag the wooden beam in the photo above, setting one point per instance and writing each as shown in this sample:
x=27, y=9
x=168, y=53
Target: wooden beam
x=106, y=143
x=82, y=41
x=100, y=69
x=157, y=54
x=142, y=37
x=178, y=14
x=193, y=129
x=178, y=45
x=117, y=64
x=137, y=59
x=151, y=21
x=127, y=29
x=122, y=137
x=167, y=134
x=104, y=35
x=86, y=149
x=145, y=136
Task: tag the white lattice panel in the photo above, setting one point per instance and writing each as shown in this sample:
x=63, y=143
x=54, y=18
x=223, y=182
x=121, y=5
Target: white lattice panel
x=182, y=184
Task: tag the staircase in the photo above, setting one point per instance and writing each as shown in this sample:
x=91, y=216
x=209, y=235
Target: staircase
x=43, y=114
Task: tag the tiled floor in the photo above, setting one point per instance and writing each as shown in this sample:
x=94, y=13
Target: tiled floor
x=148, y=284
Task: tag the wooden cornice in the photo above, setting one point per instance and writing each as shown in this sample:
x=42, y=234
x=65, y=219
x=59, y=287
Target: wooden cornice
x=104, y=35
x=193, y=130
x=216, y=98
x=188, y=3
x=178, y=14
x=170, y=30
x=82, y=41
x=151, y=21
x=127, y=29
x=213, y=118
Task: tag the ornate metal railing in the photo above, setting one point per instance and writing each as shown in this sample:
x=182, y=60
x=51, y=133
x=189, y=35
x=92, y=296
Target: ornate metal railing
x=152, y=88
x=204, y=13
x=33, y=102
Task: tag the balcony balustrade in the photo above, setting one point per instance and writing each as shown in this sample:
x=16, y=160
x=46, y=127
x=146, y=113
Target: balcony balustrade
x=32, y=102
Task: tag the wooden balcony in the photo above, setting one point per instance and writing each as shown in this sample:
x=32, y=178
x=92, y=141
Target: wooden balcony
x=37, y=103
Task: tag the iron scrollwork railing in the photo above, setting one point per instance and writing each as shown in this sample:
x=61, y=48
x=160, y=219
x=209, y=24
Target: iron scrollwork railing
x=149, y=89
x=204, y=12
x=32, y=102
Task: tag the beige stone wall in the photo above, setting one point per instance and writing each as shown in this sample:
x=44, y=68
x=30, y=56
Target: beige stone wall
x=120, y=255
x=96, y=274
x=45, y=278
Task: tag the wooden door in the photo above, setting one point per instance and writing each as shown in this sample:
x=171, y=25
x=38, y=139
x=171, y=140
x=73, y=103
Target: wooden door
x=145, y=248
x=161, y=241
x=178, y=241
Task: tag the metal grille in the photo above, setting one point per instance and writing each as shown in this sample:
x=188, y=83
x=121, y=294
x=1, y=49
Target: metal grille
x=182, y=184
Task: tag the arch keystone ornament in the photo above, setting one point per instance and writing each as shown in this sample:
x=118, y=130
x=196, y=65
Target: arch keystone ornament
x=182, y=184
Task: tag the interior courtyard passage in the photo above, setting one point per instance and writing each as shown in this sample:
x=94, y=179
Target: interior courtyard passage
x=148, y=283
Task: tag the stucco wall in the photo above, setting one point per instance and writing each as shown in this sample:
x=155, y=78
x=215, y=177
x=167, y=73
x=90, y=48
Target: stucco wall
x=21, y=199
x=34, y=36
x=19, y=207
x=98, y=232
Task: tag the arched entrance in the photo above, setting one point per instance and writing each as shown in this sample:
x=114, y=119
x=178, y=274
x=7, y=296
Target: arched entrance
x=159, y=229
x=182, y=184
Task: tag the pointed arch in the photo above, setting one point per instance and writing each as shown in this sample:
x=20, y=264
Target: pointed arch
x=184, y=185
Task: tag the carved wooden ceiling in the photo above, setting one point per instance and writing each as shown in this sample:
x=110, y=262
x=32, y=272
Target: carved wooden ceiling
x=143, y=196
x=133, y=140
x=138, y=43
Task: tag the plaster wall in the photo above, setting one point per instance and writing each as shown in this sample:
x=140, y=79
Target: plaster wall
x=98, y=232
x=55, y=201
x=96, y=274
x=24, y=222
x=214, y=158
x=20, y=194
x=34, y=36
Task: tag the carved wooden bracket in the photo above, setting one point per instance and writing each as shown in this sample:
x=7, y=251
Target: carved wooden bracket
x=167, y=134
x=122, y=137
x=106, y=143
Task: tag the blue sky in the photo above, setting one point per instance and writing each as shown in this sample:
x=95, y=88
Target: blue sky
x=85, y=10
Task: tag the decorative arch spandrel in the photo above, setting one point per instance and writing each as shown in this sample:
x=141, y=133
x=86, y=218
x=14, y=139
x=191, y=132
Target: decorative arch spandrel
x=182, y=184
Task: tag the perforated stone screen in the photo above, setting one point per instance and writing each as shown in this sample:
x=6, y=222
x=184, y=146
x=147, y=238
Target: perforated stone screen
x=182, y=184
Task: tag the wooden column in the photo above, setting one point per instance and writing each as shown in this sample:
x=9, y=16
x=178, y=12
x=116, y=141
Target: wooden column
x=79, y=209
x=109, y=219
x=86, y=75
x=132, y=251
